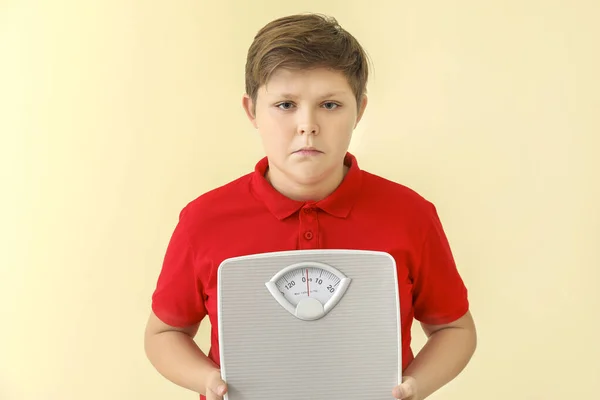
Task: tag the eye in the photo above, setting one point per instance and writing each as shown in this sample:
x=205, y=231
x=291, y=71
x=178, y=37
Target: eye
x=286, y=105
x=331, y=105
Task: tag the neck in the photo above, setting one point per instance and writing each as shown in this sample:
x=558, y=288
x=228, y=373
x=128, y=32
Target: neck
x=306, y=191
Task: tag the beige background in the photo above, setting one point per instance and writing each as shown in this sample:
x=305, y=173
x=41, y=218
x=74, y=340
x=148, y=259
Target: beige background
x=114, y=114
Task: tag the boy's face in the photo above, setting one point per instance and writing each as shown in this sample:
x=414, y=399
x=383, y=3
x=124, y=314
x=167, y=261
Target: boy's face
x=305, y=119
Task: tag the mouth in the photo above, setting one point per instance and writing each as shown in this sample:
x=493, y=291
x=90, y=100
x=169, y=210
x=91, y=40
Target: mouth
x=308, y=150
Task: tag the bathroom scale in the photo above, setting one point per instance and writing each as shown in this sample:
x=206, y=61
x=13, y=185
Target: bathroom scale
x=309, y=324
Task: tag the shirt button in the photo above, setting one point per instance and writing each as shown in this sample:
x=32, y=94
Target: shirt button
x=308, y=235
x=307, y=210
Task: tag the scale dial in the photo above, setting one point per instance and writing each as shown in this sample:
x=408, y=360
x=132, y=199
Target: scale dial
x=308, y=290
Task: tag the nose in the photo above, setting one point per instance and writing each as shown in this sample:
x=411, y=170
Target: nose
x=306, y=122
x=308, y=129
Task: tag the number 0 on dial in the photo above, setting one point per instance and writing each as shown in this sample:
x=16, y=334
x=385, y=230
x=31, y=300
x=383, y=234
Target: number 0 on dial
x=308, y=290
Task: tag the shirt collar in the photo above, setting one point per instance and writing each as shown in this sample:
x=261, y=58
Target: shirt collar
x=339, y=203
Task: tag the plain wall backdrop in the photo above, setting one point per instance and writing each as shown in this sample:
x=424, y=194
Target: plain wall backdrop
x=115, y=114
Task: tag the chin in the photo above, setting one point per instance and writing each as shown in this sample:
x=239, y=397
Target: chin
x=308, y=178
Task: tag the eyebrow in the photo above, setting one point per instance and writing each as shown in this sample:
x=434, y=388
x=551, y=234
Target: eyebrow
x=327, y=95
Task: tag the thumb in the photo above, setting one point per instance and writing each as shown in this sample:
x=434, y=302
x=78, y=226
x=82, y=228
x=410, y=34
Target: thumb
x=220, y=388
x=403, y=391
x=217, y=385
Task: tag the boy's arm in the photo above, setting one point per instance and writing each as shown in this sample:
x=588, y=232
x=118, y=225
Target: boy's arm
x=175, y=355
x=447, y=352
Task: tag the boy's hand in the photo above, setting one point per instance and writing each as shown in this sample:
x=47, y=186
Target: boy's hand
x=407, y=390
x=215, y=386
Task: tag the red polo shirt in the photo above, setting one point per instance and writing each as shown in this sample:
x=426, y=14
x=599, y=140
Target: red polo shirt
x=366, y=212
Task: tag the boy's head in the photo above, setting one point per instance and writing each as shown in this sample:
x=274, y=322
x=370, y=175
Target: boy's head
x=306, y=83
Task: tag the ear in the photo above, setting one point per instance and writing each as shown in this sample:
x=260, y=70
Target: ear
x=361, y=109
x=248, y=105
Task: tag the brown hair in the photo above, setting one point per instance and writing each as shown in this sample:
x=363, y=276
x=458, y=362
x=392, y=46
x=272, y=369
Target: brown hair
x=305, y=41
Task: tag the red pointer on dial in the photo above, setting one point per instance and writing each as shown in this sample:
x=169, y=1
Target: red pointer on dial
x=307, y=287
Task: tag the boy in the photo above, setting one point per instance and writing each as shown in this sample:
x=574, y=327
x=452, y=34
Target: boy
x=305, y=94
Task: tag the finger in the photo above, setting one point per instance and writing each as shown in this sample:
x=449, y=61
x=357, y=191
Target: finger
x=216, y=387
x=216, y=392
x=402, y=391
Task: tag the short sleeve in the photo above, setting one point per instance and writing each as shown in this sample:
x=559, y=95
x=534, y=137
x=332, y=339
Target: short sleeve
x=178, y=298
x=439, y=293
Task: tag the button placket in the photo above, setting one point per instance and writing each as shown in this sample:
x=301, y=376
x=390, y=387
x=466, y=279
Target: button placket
x=309, y=228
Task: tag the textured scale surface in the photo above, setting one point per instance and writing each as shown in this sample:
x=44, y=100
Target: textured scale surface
x=353, y=353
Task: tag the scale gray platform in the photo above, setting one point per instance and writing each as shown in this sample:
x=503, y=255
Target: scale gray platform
x=352, y=353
